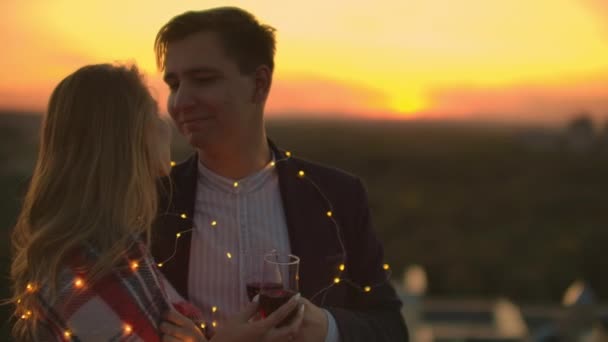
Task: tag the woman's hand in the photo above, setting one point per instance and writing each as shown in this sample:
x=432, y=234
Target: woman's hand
x=243, y=328
x=179, y=328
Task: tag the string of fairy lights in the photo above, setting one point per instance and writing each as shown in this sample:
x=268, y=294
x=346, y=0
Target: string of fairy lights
x=339, y=278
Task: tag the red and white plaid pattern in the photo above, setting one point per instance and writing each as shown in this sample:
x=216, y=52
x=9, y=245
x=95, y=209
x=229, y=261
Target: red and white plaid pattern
x=126, y=304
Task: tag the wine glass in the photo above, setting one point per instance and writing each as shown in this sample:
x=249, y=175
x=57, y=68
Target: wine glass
x=253, y=268
x=280, y=278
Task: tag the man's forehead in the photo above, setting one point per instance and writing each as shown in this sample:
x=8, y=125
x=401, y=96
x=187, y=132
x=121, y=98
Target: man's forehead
x=199, y=50
x=200, y=45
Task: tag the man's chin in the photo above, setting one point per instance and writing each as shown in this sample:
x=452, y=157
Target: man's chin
x=197, y=140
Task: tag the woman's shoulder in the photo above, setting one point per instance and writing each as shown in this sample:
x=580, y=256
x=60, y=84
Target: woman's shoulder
x=128, y=298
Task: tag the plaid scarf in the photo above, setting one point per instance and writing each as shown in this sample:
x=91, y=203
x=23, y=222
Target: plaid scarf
x=126, y=304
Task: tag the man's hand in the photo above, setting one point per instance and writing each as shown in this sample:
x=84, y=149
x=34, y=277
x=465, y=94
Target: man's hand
x=246, y=326
x=177, y=327
x=314, y=326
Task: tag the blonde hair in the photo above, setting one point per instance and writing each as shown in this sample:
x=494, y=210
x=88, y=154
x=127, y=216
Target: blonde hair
x=94, y=181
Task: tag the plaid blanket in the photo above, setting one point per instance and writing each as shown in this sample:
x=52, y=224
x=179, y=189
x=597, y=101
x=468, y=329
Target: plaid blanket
x=124, y=305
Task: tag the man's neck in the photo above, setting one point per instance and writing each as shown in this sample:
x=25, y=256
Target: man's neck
x=236, y=161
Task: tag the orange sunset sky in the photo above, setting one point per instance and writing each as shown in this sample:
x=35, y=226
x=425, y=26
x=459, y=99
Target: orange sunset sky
x=502, y=60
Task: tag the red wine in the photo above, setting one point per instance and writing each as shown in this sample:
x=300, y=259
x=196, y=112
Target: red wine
x=272, y=299
x=253, y=288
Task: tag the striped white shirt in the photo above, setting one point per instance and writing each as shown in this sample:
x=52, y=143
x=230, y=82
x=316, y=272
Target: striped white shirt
x=228, y=221
x=231, y=218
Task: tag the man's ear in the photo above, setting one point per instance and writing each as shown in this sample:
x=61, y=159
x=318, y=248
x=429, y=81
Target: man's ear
x=262, y=79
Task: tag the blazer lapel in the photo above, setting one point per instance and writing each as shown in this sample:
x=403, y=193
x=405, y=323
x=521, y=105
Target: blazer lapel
x=178, y=219
x=312, y=234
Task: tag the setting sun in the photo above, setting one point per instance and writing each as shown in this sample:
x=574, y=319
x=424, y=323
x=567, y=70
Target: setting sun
x=389, y=59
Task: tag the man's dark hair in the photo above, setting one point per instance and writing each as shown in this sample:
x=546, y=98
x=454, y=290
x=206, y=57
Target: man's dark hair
x=243, y=37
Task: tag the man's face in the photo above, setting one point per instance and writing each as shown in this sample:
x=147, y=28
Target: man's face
x=210, y=101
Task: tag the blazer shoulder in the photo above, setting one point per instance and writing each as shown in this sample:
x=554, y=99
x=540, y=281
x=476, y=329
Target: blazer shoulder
x=321, y=173
x=326, y=174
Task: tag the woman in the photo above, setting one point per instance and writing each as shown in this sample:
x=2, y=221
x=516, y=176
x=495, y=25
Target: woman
x=81, y=270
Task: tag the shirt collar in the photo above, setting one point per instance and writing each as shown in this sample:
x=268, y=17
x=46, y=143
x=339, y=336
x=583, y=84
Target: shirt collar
x=248, y=184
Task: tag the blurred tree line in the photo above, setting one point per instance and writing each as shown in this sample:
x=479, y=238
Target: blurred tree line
x=482, y=208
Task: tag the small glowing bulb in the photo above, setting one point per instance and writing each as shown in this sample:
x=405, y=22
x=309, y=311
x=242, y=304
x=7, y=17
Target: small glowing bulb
x=367, y=289
x=67, y=334
x=173, y=163
x=235, y=184
x=160, y=264
x=386, y=266
x=18, y=301
x=214, y=323
x=184, y=216
x=178, y=235
x=288, y=154
x=336, y=280
x=203, y=326
x=79, y=283
x=214, y=309
x=23, y=317
x=329, y=214
x=229, y=255
x=134, y=265
x=128, y=329
x=213, y=223
x=272, y=163
x=301, y=174
x=28, y=313
x=342, y=267
x=30, y=287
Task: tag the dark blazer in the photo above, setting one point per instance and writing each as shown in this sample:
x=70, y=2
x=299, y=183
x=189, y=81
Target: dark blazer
x=360, y=316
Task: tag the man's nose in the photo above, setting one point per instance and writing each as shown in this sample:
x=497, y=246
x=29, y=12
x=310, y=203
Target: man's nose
x=183, y=100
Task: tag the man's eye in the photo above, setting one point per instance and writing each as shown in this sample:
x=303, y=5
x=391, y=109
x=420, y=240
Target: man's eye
x=204, y=80
x=173, y=86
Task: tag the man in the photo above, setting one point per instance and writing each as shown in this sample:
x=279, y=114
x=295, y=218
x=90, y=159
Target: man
x=240, y=192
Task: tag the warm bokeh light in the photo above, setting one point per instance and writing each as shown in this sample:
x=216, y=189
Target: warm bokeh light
x=383, y=59
x=79, y=283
